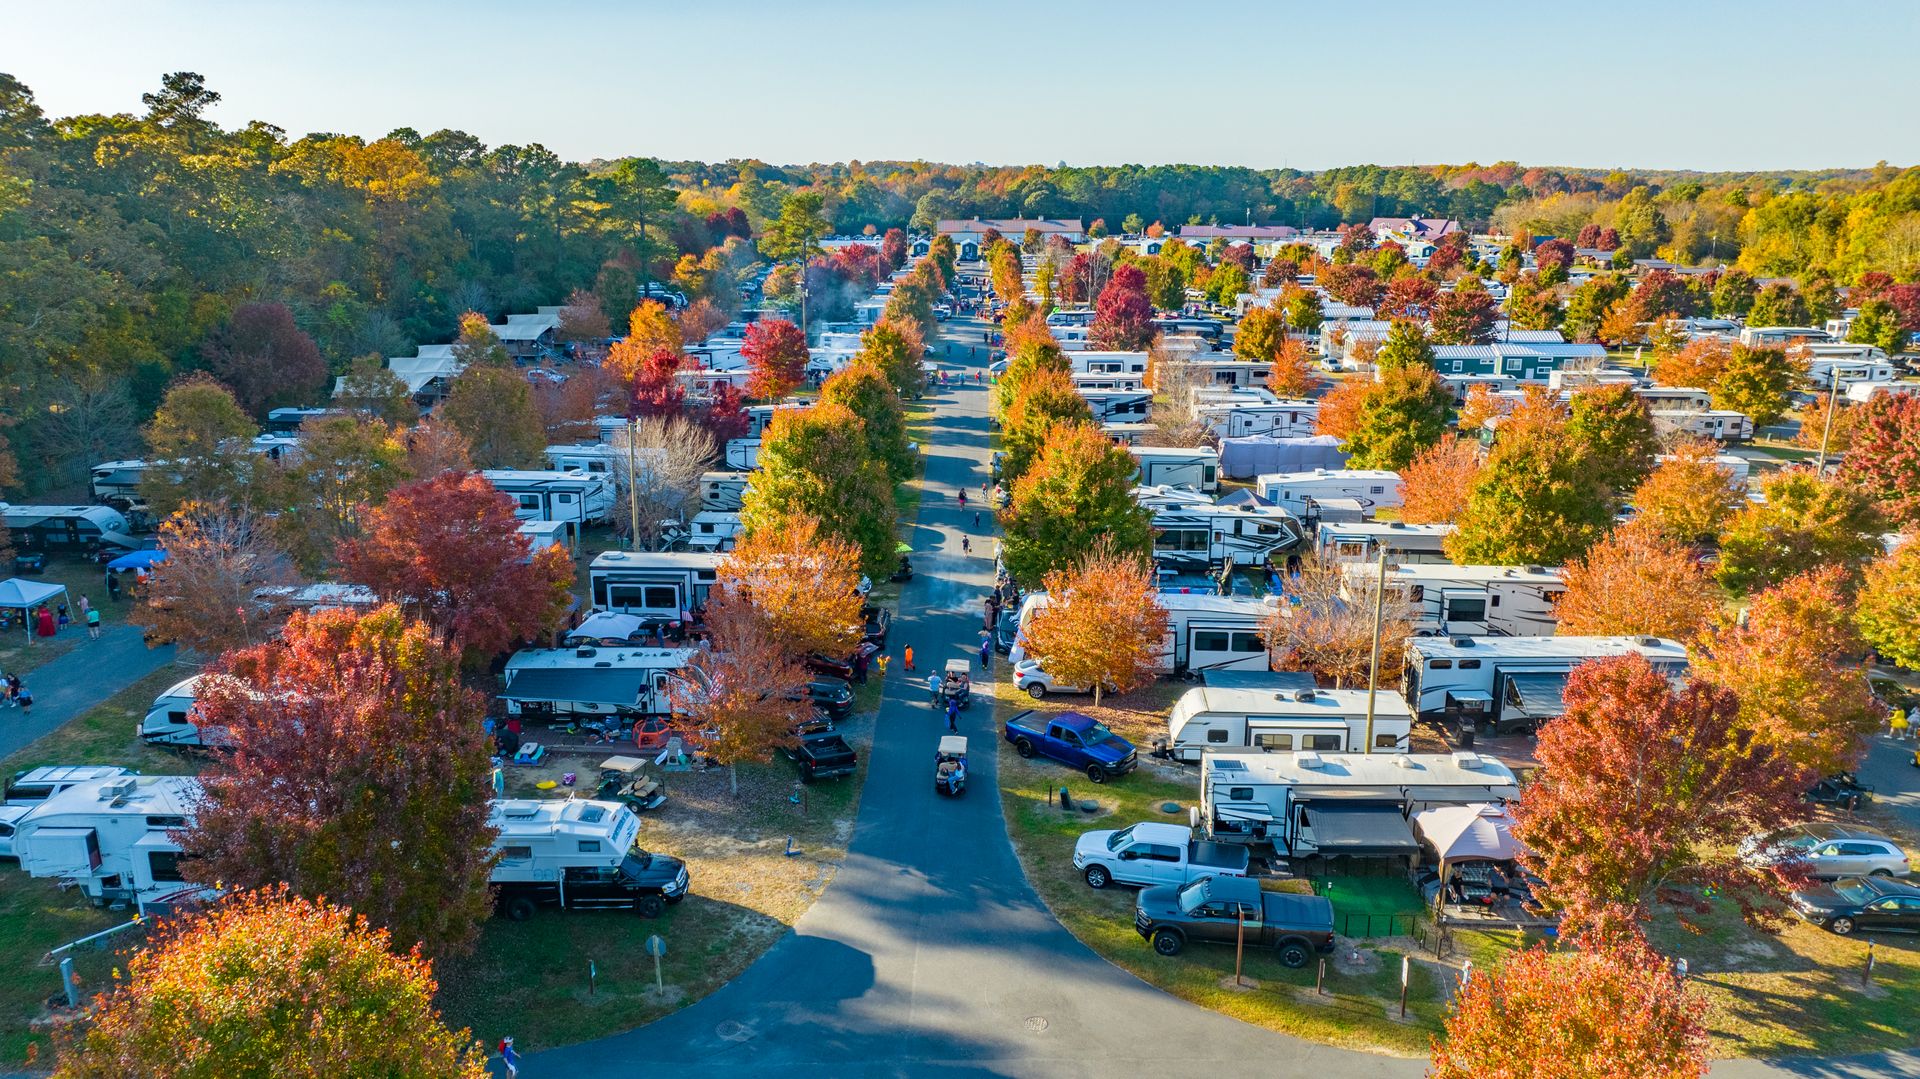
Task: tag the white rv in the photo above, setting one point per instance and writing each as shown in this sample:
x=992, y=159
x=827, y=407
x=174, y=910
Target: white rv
x=577, y=853
x=723, y=491
x=1286, y=419
x=111, y=837
x=545, y=685
x=1373, y=488
x=657, y=585
x=609, y=459
x=1508, y=684
x=1862, y=392
x=743, y=454
x=1204, y=632
x=1090, y=362
x=1776, y=336
x=1737, y=468
x=117, y=480
x=1844, y=365
x=1097, y=382
x=1470, y=601
x=712, y=530
x=170, y=720
x=67, y=528
x=1719, y=424
x=1126, y=434
x=1116, y=406
x=1203, y=538
x=575, y=498
x=1177, y=467
x=1340, y=804
x=760, y=416
x=1213, y=720
x=1164, y=497
x=1362, y=540
x=1674, y=397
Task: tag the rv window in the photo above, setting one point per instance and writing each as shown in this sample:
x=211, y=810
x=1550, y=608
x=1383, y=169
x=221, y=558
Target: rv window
x=164, y=866
x=1440, y=665
x=1385, y=741
x=516, y=854
x=528, y=502
x=1248, y=642
x=1376, y=490
x=1216, y=735
x=1272, y=742
x=1321, y=741
x=1458, y=366
x=1211, y=640
x=662, y=596
x=166, y=822
x=1467, y=610
x=589, y=846
x=566, y=499
x=1240, y=794
x=1469, y=664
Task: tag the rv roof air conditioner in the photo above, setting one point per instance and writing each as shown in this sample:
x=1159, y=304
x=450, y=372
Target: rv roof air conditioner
x=1307, y=760
x=1467, y=759
x=584, y=651
x=1401, y=760
x=1647, y=642
x=1303, y=695
x=119, y=788
x=1461, y=642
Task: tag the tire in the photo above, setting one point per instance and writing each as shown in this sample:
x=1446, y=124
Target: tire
x=1841, y=926
x=1884, y=873
x=1023, y=747
x=1292, y=954
x=1167, y=942
x=1098, y=877
x=519, y=908
x=650, y=906
x=1037, y=691
x=1096, y=773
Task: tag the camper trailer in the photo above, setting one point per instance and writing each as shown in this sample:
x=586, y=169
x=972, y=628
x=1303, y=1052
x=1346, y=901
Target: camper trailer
x=1108, y=363
x=576, y=853
x=723, y=491
x=1340, y=804
x=609, y=459
x=743, y=454
x=1177, y=467
x=114, y=481
x=1164, y=497
x=576, y=498
x=1200, y=539
x=556, y=685
x=661, y=586
x=287, y=421
x=1126, y=434
x=1719, y=424
x=1287, y=419
x=66, y=528
x=760, y=416
x=1099, y=382
x=1214, y=720
x=1509, y=684
x=1362, y=540
x=1674, y=397
x=1117, y=406
x=170, y=720
x=1470, y=601
x=712, y=530
x=1373, y=488
x=111, y=837
x=1204, y=632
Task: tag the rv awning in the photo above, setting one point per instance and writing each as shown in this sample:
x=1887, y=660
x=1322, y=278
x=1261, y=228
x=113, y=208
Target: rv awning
x=1257, y=814
x=1538, y=696
x=588, y=685
x=1361, y=830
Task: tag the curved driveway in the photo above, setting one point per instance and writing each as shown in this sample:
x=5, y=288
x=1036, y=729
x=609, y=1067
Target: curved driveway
x=929, y=954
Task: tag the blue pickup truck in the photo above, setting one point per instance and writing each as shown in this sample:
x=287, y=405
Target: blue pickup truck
x=1077, y=741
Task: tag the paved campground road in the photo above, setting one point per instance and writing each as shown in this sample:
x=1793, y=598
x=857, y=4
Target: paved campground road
x=79, y=680
x=929, y=953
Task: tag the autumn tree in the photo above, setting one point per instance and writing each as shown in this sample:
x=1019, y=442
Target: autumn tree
x=1261, y=331
x=1612, y=426
x=201, y=434
x=345, y=463
x=1435, y=484
x=492, y=407
x=1044, y=399
x=1480, y=406
x=1806, y=522
x=658, y=462
x=1793, y=662
x=1326, y=625
x=863, y=388
x=355, y=769
x=1778, y=304
x=371, y=389
x=1637, y=582
x=1758, y=382
x=582, y=322
x=448, y=550
x=1888, y=613
x=1406, y=346
x=434, y=447
x=1404, y=413
x=1079, y=490
x=1340, y=408
x=1123, y=316
x=1884, y=459
x=1537, y=500
x=202, y=594
x=1610, y=1008
x=1291, y=374
x=651, y=330
x=899, y=350
x=803, y=583
x=776, y=352
x=1103, y=625
x=268, y=983
x=1030, y=348
x=743, y=696
x=1643, y=794
x=265, y=358
x=1465, y=315
x=1827, y=422
x=813, y=462
x=1690, y=496
x=1696, y=366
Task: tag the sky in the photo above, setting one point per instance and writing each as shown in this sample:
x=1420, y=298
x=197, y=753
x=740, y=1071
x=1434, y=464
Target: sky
x=1701, y=84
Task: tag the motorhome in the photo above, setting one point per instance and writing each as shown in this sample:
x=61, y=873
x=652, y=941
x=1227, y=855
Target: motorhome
x=553, y=685
x=712, y=530
x=723, y=491
x=1091, y=362
x=1674, y=397
x=1719, y=424
x=1112, y=406
x=112, y=481
x=1340, y=804
x=1204, y=632
x=67, y=528
x=1363, y=540
x=1177, y=467
x=1286, y=419
x=1208, y=719
x=1374, y=488
x=658, y=585
x=1508, y=684
x=112, y=838
x=1201, y=539
x=577, y=853
x=35, y=785
x=576, y=498
x=1469, y=601
x=743, y=454
x=169, y=721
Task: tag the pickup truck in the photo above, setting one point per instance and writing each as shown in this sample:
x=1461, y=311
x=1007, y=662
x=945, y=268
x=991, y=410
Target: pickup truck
x=1211, y=910
x=1077, y=741
x=1150, y=854
x=824, y=755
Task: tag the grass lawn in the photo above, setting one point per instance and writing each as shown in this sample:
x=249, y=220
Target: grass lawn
x=82, y=577
x=107, y=734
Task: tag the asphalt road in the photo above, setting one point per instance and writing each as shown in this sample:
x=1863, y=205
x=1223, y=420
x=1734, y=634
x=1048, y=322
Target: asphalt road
x=930, y=954
x=77, y=681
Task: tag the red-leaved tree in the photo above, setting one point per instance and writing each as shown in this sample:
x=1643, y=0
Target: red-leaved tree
x=656, y=392
x=265, y=357
x=1123, y=316
x=448, y=549
x=1884, y=458
x=777, y=350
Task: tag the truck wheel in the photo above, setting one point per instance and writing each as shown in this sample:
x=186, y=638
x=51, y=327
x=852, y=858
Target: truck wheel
x=1023, y=747
x=1096, y=773
x=1037, y=691
x=519, y=908
x=1293, y=955
x=650, y=906
x=1167, y=942
x=1098, y=877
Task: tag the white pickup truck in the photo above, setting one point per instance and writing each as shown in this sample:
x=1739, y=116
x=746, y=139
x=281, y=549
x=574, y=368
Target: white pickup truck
x=1149, y=854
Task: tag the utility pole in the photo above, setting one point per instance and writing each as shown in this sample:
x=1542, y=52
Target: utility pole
x=1373, y=671
x=633, y=487
x=1833, y=396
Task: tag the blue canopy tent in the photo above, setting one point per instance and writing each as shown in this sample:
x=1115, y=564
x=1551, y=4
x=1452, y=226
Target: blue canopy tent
x=138, y=560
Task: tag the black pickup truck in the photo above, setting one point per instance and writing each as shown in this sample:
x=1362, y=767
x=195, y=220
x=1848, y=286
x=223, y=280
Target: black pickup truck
x=1211, y=909
x=824, y=755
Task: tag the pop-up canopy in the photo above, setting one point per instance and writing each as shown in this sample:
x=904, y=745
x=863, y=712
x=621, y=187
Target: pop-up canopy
x=1481, y=832
x=18, y=592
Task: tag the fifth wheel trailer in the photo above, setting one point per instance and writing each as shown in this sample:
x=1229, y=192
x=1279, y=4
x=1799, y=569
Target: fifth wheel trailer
x=1507, y=684
x=1204, y=632
x=1469, y=601
x=1176, y=467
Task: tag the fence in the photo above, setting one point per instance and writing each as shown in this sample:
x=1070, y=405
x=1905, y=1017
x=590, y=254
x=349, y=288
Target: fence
x=1361, y=925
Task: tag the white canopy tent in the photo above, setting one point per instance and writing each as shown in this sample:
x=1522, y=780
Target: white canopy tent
x=1480, y=832
x=20, y=594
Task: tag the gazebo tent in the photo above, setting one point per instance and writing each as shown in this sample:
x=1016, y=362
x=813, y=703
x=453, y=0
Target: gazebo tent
x=1482, y=832
x=18, y=592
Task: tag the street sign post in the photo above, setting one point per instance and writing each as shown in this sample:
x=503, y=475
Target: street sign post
x=657, y=947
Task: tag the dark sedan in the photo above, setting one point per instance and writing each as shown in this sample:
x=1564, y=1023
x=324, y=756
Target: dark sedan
x=1851, y=904
x=834, y=696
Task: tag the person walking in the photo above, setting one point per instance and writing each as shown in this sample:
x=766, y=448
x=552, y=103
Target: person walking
x=933, y=689
x=953, y=715
x=860, y=665
x=963, y=498
x=25, y=695
x=880, y=661
x=93, y=623
x=976, y=519
x=986, y=653
x=966, y=545
x=510, y=1058
x=906, y=654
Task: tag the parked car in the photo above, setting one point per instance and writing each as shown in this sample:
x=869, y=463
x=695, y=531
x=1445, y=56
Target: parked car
x=1036, y=683
x=9, y=818
x=879, y=623
x=825, y=755
x=1829, y=851
x=834, y=696
x=1218, y=910
x=827, y=667
x=643, y=882
x=1841, y=790
x=1149, y=853
x=1077, y=741
x=1875, y=904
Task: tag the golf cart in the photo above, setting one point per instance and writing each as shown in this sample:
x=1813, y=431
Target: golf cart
x=956, y=684
x=621, y=781
x=950, y=765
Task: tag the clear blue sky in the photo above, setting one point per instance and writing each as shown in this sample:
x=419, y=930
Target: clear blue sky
x=1710, y=84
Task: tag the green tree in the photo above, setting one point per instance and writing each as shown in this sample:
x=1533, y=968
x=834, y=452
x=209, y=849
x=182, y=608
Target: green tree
x=1404, y=414
x=1406, y=346
x=1227, y=283
x=1758, y=382
x=1637, y=220
x=477, y=345
x=814, y=461
x=1079, y=493
x=1806, y=522
x=897, y=349
x=1260, y=333
x=797, y=232
x=1132, y=225
x=492, y=407
x=865, y=391
x=1778, y=305
x=345, y=464
x=199, y=437
x=369, y=387
x=1878, y=324
x=1536, y=500
x=1734, y=293
x=1615, y=433
x=1303, y=310
x=1888, y=612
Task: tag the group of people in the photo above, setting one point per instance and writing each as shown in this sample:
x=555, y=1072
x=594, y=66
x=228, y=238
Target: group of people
x=48, y=620
x=15, y=692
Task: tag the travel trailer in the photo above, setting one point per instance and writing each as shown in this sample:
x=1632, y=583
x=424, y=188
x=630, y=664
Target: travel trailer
x=1719, y=424
x=1287, y=419
x=743, y=454
x=1126, y=434
x=1113, y=406
x=661, y=586
x=66, y=528
x=576, y=498
x=1340, y=804
x=1469, y=601
x=1201, y=539
x=723, y=491
x=1108, y=363
x=287, y=421
x=1362, y=540
x=1213, y=720
x=112, y=838
x=609, y=459
x=759, y=416
x=1165, y=497
x=1674, y=397
x=1177, y=467
x=1508, y=684
x=170, y=720
x=577, y=853
x=1373, y=488
x=112, y=481
x=712, y=530
x=1204, y=632
x=555, y=685
x=1099, y=382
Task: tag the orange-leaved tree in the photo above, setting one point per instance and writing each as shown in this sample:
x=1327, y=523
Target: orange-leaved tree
x=1689, y=496
x=1637, y=582
x=1435, y=486
x=1292, y=373
x=1103, y=625
x=744, y=695
x=202, y=593
x=804, y=583
x=1341, y=407
x=267, y=983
